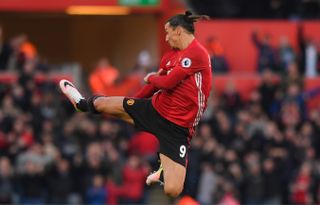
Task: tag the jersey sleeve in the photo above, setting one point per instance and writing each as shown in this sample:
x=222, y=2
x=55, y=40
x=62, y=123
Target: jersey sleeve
x=188, y=64
x=168, y=81
x=193, y=62
x=164, y=61
x=146, y=91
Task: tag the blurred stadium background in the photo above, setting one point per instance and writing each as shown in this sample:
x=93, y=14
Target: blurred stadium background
x=258, y=142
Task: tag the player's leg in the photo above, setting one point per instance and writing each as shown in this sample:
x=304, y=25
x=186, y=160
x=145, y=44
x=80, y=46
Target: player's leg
x=173, y=172
x=97, y=104
x=174, y=176
x=173, y=141
x=112, y=106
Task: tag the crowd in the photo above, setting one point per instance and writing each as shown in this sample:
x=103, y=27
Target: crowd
x=276, y=56
x=264, y=150
x=50, y=154
x=263, y=9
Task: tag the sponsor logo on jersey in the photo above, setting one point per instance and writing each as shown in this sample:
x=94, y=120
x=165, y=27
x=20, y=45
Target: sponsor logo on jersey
x=130, y=102
x=186, y=62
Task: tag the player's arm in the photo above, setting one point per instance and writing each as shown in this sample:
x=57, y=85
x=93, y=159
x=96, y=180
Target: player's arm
x=148, y=90
x=166, y=81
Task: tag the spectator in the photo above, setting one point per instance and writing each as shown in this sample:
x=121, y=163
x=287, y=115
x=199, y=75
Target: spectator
x=95, y=164
x=114, y=160
x=134, y=175
x=228, y=197
x=272, y=187
x=311, y=62
x=143, y=65
x=60, y=183
x=103, y=76
x=96, y=194
x=67, y=142
x=308, y=53
x=296, y=96
x=235, y=177
x=266, y=55
x=33, y=157
x=145, y=145
x=254, y=192
x=6, y=181
x=218, y=61
x=5, y=51
x=106, y=79
x=28, y=50
x=49, y=148
x=301, y=186
x=31, y=184
x=292, y=77
x=286, y=54
x=267, y=90
x=17, y=58
x=231, y=100
x=207, y=184
x=224, y=132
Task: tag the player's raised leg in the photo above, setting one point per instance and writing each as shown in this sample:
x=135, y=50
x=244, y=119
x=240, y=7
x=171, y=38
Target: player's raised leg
x=112, y=106
x=97, y=104
x=173, y=172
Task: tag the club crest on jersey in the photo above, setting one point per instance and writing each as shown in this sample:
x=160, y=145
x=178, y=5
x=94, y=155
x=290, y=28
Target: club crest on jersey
x=130, y=101
x=186, y=62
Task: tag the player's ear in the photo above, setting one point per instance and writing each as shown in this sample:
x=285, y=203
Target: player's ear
x=179, y=30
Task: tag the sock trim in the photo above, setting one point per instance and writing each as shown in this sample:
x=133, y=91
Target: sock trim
x=91, y=106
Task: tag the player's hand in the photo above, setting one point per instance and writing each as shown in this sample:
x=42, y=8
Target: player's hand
x=146, y=79
x=160, y=72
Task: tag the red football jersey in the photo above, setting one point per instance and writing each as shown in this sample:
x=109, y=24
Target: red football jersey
x=183, y=99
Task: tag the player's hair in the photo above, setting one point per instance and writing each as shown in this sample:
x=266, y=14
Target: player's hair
x=186, y=20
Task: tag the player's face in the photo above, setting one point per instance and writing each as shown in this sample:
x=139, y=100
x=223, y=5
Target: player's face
x=172, y=35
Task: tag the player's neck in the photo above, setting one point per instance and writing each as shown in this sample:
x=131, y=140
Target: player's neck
x=186, y=40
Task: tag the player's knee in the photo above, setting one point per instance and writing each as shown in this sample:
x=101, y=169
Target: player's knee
x=172, y=190
x=99, y=103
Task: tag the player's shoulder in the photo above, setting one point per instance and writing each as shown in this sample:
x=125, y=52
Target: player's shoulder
x=167, y=58
x=196, y=50
x=195, y=55
x=169, y=54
